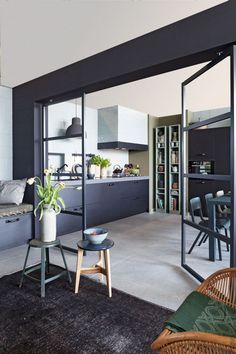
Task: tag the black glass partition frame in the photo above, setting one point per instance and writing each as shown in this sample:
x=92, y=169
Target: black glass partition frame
x=46, y=153
x=230, y=178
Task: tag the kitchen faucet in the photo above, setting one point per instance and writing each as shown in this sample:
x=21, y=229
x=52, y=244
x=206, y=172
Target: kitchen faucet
x=60, y=169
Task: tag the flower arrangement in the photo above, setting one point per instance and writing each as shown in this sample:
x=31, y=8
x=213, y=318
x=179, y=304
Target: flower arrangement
x=48, y=194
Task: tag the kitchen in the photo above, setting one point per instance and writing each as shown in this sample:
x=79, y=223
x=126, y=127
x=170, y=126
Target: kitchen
x=115, y=187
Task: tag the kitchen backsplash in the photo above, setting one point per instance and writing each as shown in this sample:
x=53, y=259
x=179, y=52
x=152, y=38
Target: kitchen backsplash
x=65, y=151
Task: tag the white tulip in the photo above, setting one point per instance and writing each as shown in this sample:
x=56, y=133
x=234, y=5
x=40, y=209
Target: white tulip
x=31, y=181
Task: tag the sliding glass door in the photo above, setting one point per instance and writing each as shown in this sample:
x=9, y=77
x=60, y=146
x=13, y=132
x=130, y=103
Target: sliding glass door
x=208, y=167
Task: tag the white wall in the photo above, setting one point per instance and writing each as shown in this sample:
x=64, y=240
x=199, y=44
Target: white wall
x=5, y=133
x=59, y=117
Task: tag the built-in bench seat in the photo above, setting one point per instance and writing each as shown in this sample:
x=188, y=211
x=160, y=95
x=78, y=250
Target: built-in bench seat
x=16, y=225
x=7, y=210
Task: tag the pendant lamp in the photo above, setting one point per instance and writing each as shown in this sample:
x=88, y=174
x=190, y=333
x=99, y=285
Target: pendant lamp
x=75, y=128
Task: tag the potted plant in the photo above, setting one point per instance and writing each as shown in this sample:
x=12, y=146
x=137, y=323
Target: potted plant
x=95, y=167
x=49, y=206
x=105, y=163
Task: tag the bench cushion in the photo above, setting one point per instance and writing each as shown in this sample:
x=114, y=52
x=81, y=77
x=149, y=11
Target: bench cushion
x=7, y=210
x=200, y=313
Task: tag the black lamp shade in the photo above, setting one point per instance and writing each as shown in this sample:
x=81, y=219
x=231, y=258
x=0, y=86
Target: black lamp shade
x=75, y=128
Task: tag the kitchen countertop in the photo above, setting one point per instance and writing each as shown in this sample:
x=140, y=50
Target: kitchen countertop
x=106, y=180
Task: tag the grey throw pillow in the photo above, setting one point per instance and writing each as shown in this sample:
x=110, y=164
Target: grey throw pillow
x=12, y=192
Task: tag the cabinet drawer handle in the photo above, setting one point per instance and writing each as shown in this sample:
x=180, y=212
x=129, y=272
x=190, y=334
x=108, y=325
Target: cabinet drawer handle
x=110, y=184
x=135, y=181
x=11, y=221
x=202, y=154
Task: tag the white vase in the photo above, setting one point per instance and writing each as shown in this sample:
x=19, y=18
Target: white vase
x=49, y=224
x=92, y=169
x=97, y=171
x=104, y=172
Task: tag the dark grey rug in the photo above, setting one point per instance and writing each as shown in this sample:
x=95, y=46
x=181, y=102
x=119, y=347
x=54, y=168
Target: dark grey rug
x=64, y=323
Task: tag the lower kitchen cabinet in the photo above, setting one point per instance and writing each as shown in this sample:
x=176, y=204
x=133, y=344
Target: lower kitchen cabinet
x=15, y=230
x=67, y=224
x=107, y=202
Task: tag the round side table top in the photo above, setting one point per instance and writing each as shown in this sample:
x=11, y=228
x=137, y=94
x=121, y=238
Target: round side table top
x=87, y=246
x=38, y=243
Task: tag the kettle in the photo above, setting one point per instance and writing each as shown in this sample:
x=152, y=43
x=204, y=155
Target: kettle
x=117, y=169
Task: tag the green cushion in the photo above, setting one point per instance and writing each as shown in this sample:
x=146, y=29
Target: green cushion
x=200, y=313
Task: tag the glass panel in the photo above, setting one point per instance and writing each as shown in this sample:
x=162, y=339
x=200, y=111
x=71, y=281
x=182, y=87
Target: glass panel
x=64, y=158
x=209, y=149
x=198, y=259
x=206, y=96
x=60, y=116
x=199, y=197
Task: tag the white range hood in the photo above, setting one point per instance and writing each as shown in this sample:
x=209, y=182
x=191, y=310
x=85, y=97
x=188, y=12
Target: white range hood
x=122, y=128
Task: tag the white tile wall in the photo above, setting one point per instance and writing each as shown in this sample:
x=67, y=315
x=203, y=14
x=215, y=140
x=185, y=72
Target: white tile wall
x=59, y=118
x=5, y=133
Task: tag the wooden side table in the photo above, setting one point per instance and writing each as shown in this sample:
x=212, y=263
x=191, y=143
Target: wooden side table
x=44, y=266
x=104, y=255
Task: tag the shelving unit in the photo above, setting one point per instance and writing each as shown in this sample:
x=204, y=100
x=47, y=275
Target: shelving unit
x=167, y=169
x=161, y=168
x=174, y=168
x=79, y=211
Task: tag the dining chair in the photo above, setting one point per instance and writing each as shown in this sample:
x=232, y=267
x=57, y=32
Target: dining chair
x=222, y=210
x=195, y=207
x=222, y=223
x=196, y=211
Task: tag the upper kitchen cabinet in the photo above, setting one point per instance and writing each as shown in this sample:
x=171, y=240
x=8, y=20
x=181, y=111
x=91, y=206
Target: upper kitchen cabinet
x=122, y=128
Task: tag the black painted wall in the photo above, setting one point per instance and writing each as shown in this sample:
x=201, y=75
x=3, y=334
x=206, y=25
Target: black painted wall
x=187, y=42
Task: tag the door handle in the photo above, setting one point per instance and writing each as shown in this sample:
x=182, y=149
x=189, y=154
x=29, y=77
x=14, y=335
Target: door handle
x=11, y=221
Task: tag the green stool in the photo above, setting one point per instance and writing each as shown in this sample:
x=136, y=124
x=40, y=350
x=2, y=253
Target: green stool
x=45, y=264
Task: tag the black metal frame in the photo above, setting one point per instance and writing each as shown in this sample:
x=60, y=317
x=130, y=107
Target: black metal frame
x=44, y=149
x=231, y=53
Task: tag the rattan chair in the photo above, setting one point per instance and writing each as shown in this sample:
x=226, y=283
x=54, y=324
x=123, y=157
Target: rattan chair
x=222, y=287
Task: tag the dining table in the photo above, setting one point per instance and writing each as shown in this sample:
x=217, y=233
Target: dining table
x=224, y=200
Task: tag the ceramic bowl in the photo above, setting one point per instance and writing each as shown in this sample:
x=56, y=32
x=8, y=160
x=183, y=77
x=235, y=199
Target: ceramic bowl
x=95, y=235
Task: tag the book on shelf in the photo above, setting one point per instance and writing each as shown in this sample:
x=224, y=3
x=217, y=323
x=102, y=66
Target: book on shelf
x=173, y=204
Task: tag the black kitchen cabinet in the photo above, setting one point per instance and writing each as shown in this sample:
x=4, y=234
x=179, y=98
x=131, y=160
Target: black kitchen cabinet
x=222, y=151
x=105, y=202
x=67, y=223
x=211, y=145
x=201, y=146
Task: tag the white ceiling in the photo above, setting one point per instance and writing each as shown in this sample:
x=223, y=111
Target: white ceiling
x=39, y=36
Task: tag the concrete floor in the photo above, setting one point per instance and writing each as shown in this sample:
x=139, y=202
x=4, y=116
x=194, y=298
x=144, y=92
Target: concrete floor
x=145, y=260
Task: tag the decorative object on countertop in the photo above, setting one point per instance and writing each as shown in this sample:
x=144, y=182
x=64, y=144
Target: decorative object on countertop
x=135, y=171
x=117, y=171
x=105, y=163
x=48, y=205
x=95, y=165
x=75, y=128
x=95, y=235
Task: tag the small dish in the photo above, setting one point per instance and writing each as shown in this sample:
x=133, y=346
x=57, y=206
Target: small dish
x=96, y=235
